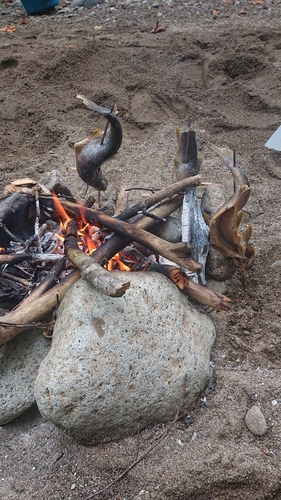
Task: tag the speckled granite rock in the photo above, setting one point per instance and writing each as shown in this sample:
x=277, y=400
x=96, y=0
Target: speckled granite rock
x=116, y=363
x=19, y=362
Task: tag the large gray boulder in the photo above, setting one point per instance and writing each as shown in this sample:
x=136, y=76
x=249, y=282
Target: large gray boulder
x=119, y=363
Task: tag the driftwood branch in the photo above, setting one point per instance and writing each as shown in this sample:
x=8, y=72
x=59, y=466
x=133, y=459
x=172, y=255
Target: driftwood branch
x=121, y=201
x=117, y=243
x=105, y=281
x=36, y=310
x=194, y=291
x=163, y=194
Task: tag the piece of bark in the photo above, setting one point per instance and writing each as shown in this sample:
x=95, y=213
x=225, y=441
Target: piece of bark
x=17, y=215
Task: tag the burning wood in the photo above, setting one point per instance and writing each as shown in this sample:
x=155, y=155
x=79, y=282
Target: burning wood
x=92, y=272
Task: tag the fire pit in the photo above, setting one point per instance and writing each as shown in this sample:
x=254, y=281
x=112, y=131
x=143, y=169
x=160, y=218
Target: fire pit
x=49, y=242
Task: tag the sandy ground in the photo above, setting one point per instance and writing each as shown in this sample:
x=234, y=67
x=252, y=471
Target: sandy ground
x=218, y=64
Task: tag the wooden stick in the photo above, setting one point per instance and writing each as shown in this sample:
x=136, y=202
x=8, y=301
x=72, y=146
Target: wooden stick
x=175, y=252
x=48, y=282
x=194, y=291
x=121, y=202
x=117, y=243
x=163, y=194
x=105, y=281
x=14, y=258
x=31, y=257
x=36, y=310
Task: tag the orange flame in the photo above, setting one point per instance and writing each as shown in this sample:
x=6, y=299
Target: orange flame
x=87, y=240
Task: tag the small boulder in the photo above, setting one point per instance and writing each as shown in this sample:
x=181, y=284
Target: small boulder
x=255, y=421
x=19, y=363
x=119, y=363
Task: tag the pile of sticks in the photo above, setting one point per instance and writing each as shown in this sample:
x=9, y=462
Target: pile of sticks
x=43, y=300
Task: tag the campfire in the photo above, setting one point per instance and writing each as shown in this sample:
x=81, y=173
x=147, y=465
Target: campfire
x=48, y=239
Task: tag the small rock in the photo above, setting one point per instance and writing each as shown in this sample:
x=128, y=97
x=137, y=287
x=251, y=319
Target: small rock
x=255, y=421
x=85, y=3
x=170, y=230
x=276, y=265
x=218, y=266
x=54, y=181
x=19, y=363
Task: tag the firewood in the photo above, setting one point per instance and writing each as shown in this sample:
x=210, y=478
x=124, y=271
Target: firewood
x=47, y=282
x=163, y=194
x=105, y=281
x=117, y=243
x=39, y=308
x=121, y=201
x=36, y=310
x=199, y=293
x=176, y=252
x=194, y=291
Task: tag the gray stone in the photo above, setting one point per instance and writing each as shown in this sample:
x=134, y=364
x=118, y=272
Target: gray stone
x=255, y=421
x=19, y=362
x=218, y=266
x=276, y=265
x=54, y=181
x=85, y=3
x=170, y=230
x=212, y=199
x=116, y=363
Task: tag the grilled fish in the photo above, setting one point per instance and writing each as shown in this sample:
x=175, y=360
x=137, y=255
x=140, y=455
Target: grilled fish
x=93, y=151
x=224, y=225
x=186, y=162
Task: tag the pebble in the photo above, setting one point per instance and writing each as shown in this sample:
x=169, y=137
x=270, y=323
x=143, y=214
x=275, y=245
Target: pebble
x=255, y=421
x=276, y=265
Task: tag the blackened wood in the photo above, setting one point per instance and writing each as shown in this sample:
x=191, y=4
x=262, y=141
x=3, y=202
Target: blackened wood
x=17, y=214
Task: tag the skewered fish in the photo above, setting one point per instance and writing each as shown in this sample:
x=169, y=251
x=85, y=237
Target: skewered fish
x=224, y=225
x=93, y=151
